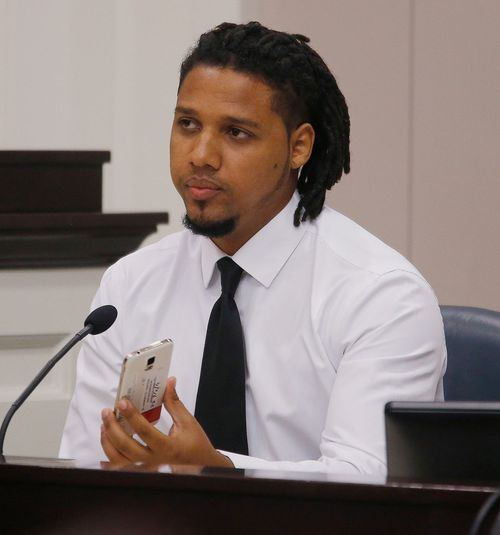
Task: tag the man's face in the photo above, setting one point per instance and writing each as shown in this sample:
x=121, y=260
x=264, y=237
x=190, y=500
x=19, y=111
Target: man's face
x=230, y=154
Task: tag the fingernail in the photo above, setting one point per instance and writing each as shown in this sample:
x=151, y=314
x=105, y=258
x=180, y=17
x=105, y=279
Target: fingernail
x=123, y=405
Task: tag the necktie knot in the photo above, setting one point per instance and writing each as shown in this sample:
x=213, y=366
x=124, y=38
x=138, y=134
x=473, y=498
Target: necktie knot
x=230, y=274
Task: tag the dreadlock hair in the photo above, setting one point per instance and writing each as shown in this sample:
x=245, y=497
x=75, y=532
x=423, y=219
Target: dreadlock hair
x=306, y=91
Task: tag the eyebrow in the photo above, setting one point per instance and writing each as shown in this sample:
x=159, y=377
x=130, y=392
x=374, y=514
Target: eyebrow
x=229, y=118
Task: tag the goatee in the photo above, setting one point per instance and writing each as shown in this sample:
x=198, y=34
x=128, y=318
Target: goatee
x=210, y=229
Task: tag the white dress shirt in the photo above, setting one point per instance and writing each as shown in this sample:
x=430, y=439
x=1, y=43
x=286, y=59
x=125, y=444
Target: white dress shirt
x=336, y=323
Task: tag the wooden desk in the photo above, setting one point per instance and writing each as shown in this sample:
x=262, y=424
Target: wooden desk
x=40, y=497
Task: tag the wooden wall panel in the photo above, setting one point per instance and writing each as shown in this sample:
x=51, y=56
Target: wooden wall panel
x=456, y=174
x=422, y=79
x=366, y=44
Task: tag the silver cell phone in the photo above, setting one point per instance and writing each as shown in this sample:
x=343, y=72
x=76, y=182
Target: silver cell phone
x=143, y=380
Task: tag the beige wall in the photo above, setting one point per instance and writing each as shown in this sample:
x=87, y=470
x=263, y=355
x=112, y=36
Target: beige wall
x=422, y=79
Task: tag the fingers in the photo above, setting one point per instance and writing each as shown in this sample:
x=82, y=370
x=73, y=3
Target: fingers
x=120, y=448
x=148, y=433
x=180, y=415
x=114, y=456
x=117, y=443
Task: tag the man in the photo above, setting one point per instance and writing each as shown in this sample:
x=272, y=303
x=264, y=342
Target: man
x=335, y=323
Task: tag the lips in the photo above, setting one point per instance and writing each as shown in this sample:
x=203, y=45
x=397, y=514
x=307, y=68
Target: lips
x=202, y=189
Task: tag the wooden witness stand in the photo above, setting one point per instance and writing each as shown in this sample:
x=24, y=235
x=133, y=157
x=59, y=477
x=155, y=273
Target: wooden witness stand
x=40, y=496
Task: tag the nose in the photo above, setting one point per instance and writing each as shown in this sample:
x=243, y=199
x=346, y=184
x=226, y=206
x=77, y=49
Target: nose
x=206, y=151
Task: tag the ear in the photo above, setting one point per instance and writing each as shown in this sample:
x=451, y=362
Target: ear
x=301, y=145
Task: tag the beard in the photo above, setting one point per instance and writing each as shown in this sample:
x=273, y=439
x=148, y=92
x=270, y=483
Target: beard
x=210, y=229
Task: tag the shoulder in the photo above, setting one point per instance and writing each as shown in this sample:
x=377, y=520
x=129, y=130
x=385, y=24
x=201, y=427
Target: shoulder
x=368, y=292
x=355, y=271
x=159, y=256
x=165, y=246
x=345, y=242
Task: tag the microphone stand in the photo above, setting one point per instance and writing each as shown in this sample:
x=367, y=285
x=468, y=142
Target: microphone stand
x=36, y=381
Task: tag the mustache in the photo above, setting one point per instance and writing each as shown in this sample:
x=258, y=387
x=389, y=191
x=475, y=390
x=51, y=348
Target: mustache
x=204, y=181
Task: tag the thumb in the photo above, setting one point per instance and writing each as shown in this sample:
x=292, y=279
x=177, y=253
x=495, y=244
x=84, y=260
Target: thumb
x=173, y=404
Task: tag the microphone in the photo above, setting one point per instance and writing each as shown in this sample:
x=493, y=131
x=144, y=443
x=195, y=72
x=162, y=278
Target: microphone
x=98, y=321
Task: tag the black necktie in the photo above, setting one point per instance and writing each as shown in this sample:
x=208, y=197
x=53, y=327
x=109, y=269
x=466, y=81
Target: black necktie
x=220, y=403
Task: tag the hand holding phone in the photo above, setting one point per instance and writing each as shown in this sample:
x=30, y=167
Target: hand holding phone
x=143, y=380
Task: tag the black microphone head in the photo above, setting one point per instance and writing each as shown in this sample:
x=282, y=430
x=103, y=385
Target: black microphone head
x=101, y=319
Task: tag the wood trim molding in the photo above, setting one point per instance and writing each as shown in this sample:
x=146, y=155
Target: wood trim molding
x=52, y=240
x=51, y=212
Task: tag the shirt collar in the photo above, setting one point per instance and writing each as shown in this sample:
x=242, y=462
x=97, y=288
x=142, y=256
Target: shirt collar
x=263, y=255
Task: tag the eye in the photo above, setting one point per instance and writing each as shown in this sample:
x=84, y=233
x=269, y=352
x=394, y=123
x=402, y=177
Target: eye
x=187, y=124
x=238, y=133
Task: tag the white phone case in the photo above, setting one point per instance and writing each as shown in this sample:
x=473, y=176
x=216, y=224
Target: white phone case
x=143, y=381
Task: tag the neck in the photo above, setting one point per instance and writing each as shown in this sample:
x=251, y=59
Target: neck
x=231, y=243
x=230, y=247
